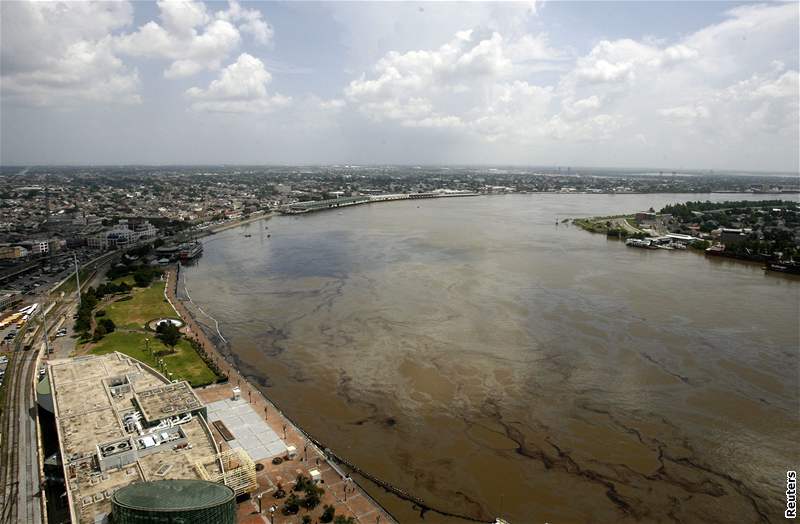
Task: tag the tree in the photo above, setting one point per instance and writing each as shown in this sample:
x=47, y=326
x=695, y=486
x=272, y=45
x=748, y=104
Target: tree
x=341, y=519
x=328, y=512
x=107, y=324
x=313, y=496
x=292, y=505
x=306, y=519
x=168, y=334
x=99, y=333
x=142, y=277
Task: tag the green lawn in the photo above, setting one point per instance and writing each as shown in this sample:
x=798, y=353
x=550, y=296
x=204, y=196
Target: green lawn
x=147, y=304
x=185, y=363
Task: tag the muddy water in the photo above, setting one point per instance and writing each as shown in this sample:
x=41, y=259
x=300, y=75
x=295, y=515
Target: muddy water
x=494, y=364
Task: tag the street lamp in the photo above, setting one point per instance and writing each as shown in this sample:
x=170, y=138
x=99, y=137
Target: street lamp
x=259, y=502
x=272, y=514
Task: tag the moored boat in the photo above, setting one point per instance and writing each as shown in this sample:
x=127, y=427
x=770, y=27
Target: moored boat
x=190, y=251
x=782, y=266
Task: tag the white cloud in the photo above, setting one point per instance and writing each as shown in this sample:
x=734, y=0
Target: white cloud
x=249, y=21
x=240, y=88
x=638, y=93
x=192, y=38
x=686, y=114
x=460, y=85
x=334, y=104
x=60, y=53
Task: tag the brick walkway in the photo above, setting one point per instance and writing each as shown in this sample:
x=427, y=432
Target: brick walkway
x=346, y=496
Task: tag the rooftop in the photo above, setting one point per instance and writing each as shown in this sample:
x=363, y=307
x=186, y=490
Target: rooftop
x=120, y=422
x=171, y=495
x=166, y=401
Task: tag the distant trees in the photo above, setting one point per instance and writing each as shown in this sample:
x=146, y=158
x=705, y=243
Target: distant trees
x=685, y=211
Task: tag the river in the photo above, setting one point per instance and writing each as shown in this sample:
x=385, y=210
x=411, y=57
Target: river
x=472, y=352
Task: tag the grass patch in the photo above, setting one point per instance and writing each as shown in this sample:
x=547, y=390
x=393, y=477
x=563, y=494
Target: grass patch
x=146, y=304
x=70, y=285
x=184, y=364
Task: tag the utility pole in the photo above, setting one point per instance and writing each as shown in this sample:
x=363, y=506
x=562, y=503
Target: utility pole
x=77, y=278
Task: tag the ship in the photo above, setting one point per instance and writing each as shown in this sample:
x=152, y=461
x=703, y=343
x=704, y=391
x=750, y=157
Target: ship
x=643, y=243
x=717, y=250
x=190, y=251
x=783, y=266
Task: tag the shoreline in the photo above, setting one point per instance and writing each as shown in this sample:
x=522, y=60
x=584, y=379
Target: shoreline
x=261, y=403
x=213, y=230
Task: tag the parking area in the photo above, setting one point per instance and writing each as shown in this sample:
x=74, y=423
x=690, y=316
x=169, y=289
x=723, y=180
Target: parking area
x=50, y=271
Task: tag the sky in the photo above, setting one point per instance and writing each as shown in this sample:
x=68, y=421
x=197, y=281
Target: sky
x=701, y=85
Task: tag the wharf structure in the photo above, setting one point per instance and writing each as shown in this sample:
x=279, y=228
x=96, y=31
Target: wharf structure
x=331, y=203
x=119, y=422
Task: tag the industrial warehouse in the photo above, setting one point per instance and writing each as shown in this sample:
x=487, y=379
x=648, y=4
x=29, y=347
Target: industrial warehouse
x=120, y=423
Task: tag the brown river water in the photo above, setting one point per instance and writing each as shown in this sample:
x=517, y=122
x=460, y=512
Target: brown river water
x=473, y=353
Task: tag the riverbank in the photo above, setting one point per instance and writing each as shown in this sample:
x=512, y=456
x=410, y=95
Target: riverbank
x=617, y=225
x=346, y=495
x=212, y=230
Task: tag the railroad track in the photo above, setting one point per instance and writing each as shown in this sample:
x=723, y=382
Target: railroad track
x=19, y=467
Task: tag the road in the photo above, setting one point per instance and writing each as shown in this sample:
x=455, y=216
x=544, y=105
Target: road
x=624, y=224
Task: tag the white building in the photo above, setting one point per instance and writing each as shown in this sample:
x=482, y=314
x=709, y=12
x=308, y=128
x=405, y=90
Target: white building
x=122, y=235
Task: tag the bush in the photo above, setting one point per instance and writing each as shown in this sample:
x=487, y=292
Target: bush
x=341, y=519
x=306, y=519
x=100, y=313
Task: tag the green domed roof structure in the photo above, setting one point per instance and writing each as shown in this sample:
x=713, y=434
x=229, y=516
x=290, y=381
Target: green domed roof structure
x=178, y=500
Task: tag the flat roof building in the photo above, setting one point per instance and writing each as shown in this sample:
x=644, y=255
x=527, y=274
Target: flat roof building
x=119, y=423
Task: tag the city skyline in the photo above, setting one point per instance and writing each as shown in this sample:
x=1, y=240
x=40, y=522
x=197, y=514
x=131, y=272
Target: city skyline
x=694, y=86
